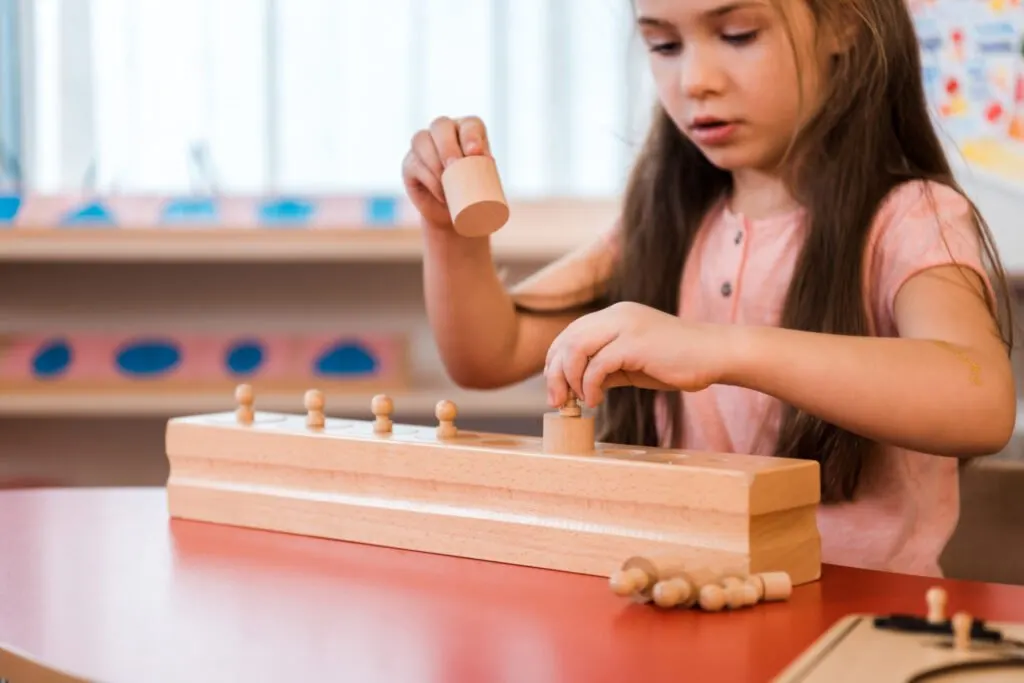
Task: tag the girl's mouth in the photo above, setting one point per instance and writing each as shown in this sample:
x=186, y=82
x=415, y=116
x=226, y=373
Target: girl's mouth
x=712, y=131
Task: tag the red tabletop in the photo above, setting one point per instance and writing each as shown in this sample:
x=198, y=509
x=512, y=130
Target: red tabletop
x=100, y=583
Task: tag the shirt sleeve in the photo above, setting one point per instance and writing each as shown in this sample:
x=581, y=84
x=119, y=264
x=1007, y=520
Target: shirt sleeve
x=921, y=225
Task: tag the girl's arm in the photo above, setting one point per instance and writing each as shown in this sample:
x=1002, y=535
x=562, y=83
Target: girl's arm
x=483, y=341
x=945, y=386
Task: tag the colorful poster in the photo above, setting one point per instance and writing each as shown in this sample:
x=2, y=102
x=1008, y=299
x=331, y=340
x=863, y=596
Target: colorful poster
x=973, y=66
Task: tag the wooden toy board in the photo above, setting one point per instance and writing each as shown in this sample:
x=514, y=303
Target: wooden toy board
x=495, y=496
x=854, y=650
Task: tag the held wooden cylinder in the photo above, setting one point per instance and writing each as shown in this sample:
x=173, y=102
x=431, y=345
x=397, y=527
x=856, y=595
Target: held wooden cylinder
x=475, y=197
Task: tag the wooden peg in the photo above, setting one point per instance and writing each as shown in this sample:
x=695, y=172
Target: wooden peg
x=674, y=592
x=475, y=197
x=962, y=623
x=750, y=595
x=314, y=404
x=936, y=600
x=244, y=397
x=382, y=406
x=712, y=597
x=571, y=407
x=630, y=581
x=445, y=412
x=736, y=595
x=638, y=575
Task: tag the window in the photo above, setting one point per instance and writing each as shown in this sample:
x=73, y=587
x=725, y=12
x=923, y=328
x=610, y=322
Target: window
x=323, y=96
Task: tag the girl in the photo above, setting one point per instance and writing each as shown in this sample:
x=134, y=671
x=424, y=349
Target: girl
x=794, y=272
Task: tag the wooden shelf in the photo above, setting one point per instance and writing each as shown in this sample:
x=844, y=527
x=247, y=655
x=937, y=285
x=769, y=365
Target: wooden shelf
x=527, y=399
x=537, y=230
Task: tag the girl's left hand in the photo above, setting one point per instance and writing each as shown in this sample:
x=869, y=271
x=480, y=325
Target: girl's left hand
x=629, y=344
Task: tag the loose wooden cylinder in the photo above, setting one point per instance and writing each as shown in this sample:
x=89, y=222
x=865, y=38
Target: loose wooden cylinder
x=568, y=435
x=475, y=197
x=777, y=585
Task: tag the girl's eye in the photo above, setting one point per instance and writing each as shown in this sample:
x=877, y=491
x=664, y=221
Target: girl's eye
x=664, y=48
x=740, y=38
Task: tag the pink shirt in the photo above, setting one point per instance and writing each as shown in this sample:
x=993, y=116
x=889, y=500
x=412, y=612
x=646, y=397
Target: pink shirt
x=738, y=272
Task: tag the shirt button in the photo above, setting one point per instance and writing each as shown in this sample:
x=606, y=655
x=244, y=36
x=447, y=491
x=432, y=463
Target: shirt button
x=739, y=237
x=726, y=289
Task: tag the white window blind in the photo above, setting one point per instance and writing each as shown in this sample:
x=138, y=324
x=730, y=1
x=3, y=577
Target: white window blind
x=323, y=96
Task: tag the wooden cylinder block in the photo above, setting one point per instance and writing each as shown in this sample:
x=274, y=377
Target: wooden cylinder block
x=777, y=585
x=475, y=197
x=568, y=435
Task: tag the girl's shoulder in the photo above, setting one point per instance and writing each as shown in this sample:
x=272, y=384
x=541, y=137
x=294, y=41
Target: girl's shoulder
x=920, y=225
x=922, y=200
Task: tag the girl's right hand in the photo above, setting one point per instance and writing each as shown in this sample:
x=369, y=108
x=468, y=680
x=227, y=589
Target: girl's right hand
x=433, y=150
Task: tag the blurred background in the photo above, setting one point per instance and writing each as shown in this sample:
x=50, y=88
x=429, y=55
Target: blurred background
x=258, y=96
x=199, y=193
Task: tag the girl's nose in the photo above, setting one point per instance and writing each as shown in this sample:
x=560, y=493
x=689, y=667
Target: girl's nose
x=699, y=75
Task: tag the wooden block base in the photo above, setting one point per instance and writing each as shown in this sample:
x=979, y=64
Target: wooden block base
x=496, y=497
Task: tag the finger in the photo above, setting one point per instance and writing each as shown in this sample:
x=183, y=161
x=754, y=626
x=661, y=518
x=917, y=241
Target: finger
x=605, y=363
x=424, y=147
x=574, y=364
x=446, y=138
x=473, y=136
x=632, y=378
x=580, y=353
x=419, y=178
x=619, y=378
x=558, y=390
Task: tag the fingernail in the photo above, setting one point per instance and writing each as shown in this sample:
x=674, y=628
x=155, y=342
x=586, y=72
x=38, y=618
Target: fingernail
x=472, y=147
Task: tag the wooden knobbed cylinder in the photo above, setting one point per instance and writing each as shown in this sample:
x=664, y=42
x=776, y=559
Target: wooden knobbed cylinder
x=568, y=435
x=475, y=197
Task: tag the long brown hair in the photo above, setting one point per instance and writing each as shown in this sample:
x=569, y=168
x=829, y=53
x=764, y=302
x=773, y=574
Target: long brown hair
x=872, y=133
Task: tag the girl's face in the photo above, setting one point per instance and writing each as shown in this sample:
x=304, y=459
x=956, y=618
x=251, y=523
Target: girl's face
x=726, y=73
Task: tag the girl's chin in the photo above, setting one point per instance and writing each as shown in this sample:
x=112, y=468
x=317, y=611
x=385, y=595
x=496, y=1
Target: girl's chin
x=736, y=158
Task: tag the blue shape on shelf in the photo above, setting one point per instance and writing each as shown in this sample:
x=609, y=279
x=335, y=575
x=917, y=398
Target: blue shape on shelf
x=90, y=214
x=286, y=211
x=9, y=207
x=344, y=359
x=52, y=359
x=244, y=358
x=190, y=209
x=148, y=358
x=381, y=211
